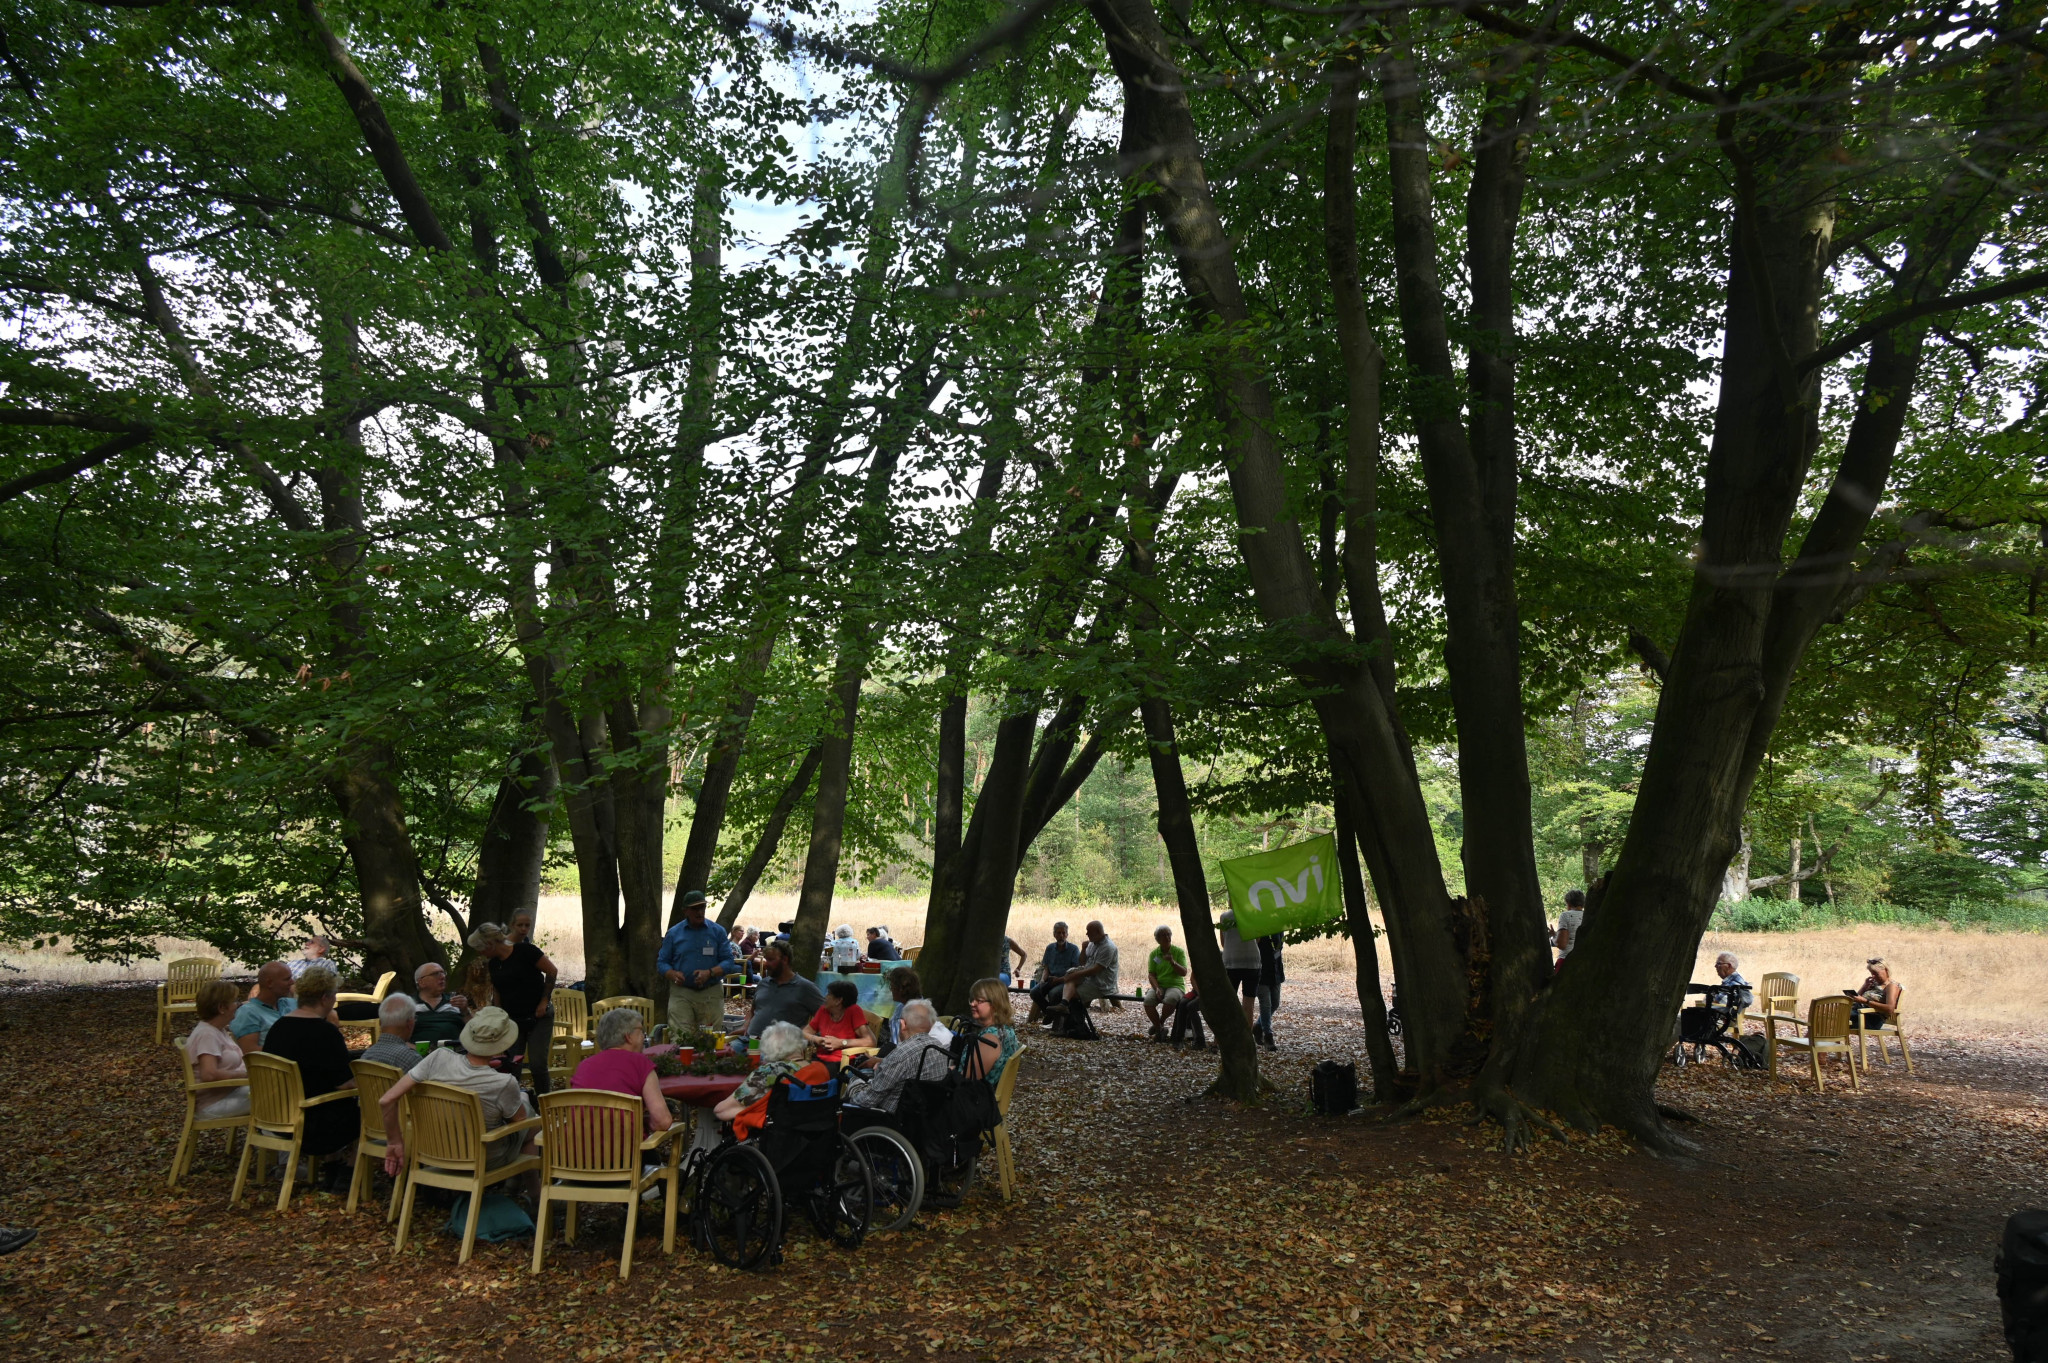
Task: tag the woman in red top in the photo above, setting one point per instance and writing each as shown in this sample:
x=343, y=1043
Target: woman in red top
x=840, y=1020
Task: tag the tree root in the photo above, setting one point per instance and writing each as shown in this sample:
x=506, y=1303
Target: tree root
x=1444, y=1095
x=1674, y=1114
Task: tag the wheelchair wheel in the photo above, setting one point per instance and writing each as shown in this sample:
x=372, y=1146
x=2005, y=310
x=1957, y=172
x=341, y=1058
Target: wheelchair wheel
x=899, y=1175
x=737, y=1210
x=842, y=1202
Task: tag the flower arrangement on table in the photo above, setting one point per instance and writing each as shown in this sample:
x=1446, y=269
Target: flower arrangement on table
x=707, y=1062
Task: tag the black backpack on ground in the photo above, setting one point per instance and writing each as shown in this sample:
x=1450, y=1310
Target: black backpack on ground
x=2022, y=1267
x=1333, y=1088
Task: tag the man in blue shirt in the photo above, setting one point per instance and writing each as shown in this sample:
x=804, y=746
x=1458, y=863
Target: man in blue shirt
x=695, y=958
x=1061, y=957
x=271, y=1000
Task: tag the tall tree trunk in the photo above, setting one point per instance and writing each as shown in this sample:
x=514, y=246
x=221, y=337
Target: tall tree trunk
x=1238, y=1077
x=1396, y=834
x=1372, y=1003
x=828, y=821
x=1745, y=618
x=770, y=839
x=1471, y=479
x=514, y=847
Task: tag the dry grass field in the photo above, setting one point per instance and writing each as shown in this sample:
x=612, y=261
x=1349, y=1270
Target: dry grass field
x=1957, y=983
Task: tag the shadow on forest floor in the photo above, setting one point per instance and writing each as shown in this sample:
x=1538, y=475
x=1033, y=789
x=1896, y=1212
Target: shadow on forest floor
x=1831, y=1226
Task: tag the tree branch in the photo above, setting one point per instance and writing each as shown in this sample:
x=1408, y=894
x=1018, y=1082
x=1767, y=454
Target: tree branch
x=77, y=464
x=2029, y=282
x=1654, y=658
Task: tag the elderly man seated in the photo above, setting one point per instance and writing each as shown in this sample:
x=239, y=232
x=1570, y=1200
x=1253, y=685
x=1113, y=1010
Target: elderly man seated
x=489, y=1034
x=437, y=1014
x=1725, y=965
x=884, y=1086
x=393, y=1045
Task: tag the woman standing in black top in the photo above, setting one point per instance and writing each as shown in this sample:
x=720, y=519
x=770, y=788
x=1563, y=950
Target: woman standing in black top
x=524, y=982
x=306, y=1037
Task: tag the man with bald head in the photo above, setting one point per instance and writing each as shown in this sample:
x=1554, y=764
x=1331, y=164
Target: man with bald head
x=270, y=1000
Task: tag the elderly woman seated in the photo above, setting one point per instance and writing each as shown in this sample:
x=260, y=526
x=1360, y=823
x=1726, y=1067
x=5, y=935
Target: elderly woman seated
x=215, y=1054
x=621, y=1065
x=308, y=1037
x=783, y=1058
x=909, y=1061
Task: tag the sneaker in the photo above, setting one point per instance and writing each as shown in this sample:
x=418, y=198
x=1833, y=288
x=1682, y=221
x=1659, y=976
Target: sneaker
x=13, y=1238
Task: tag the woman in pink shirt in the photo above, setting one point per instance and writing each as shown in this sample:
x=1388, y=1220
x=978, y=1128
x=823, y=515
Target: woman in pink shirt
x=621, y=1066
x=215, y=1054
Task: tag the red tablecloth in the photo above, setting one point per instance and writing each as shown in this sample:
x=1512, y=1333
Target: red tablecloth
x=701, y=1090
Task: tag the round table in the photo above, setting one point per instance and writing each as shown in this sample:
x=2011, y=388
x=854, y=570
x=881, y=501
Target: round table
x=703, y=1092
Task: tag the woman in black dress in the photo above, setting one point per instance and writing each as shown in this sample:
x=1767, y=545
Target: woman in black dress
x=523, y=981
x=308, y=1037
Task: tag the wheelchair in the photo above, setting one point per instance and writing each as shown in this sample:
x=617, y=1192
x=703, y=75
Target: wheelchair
x=741, y=1192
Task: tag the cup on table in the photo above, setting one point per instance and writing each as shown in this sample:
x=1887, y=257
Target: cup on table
x=687, y=1055
x=423, y=1046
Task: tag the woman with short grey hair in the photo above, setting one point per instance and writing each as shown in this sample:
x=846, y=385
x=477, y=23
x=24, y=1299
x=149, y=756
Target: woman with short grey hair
x=783, y=1055
x=621, y=1064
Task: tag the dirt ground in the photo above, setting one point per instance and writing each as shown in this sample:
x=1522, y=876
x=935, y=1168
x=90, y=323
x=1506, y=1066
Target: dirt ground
x=1151, y=1225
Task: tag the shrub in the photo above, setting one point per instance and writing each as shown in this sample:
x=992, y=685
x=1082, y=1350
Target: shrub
x=1931, y=881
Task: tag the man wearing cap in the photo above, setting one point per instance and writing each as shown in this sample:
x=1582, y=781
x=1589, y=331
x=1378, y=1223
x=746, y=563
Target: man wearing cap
x=489, y=1034
x=695, y=958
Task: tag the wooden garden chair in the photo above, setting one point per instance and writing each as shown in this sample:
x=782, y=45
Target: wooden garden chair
x=572, y=1013
x=446, y=1146
x=373, y=1080
x=180, y=989
x=591, y=1150
x=1827, y=1029
x=1879, y=1035
x=373, y=997
x=1777, y=1000
x=277, y=1120
x=1006, y=1172
x=645, y=1007
x=188, y=1143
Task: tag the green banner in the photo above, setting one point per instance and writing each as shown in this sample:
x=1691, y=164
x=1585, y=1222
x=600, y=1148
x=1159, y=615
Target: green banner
x=1296, y=886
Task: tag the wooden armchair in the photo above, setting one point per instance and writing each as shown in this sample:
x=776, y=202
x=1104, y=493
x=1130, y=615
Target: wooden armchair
x=277, y=1120
x=373, y=1080
x=1827, y=1029
x=572, y=1013
x=447, y=1146
x=591, y=1150
x=1894, y=1031
x=645, y=1007
x=181, y=1162
x=1006, y=1172
x=180, y=988
x=1777, y=1001
x=375, y=996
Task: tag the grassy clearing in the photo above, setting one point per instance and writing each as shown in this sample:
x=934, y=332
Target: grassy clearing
x=1779, y=915
x=1960, y=980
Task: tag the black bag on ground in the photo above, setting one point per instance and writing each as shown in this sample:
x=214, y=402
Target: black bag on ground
x=2022, y=1267
x=1333, y=1088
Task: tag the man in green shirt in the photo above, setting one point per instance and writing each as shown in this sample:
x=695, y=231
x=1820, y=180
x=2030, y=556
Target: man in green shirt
x=1167, y=968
